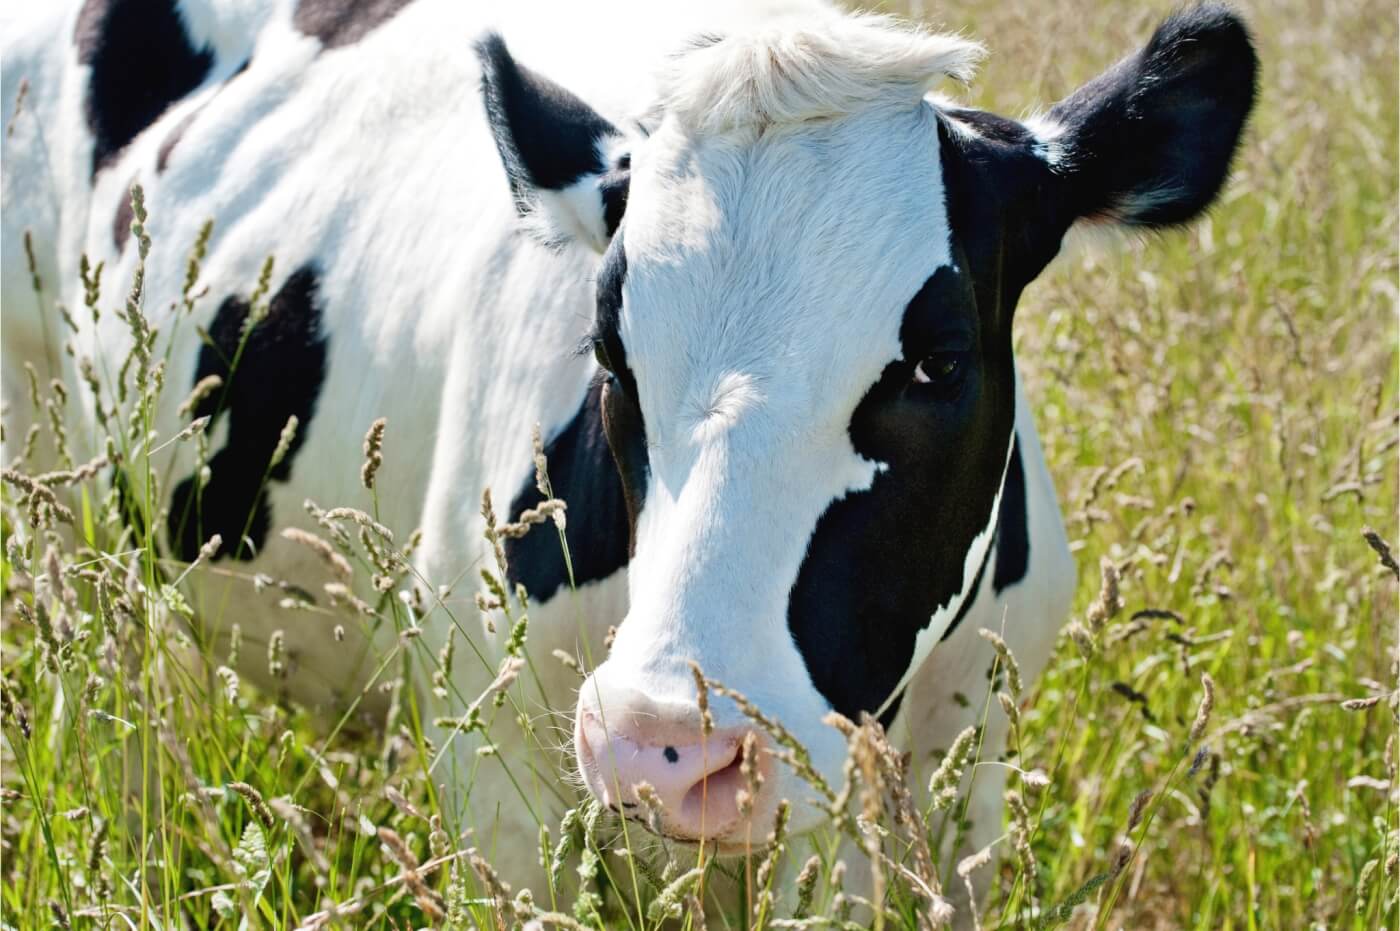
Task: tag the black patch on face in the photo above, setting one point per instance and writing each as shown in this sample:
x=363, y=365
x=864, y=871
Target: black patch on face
x=142, y=62
x=583, y=473
x=343, y=22
x=880, y=562
x=622, y=415
x=279, y=375
x=1013, y=543
x=887, y=718
x=547, y=138
x=121, y=220
x=613, y=187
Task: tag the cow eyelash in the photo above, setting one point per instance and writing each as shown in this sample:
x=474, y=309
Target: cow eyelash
x=596, y=346
x=600, y=352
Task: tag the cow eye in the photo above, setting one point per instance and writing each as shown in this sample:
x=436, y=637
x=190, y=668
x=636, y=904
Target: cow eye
x=600, y=352
x=941, y=369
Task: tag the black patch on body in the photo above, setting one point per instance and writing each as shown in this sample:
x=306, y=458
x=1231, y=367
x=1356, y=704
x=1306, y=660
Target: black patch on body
x=1013, y=543
x=547, y=137
x=279, y=374
x=177, y=133
x=583, y=473
x=121, y=220
x=167, y=145
x=142, y=62
x=343, y=22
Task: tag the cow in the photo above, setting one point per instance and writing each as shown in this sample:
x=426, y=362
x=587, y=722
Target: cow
x=795, y=449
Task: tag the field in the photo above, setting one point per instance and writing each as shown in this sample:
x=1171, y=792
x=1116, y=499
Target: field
x=1220, y=409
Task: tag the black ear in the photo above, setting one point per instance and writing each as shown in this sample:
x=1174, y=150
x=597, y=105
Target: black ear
x=567, y=166
x=1149, y=142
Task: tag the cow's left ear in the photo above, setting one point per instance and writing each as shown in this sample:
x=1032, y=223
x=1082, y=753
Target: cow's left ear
x=567, y=166
x=1149, y=142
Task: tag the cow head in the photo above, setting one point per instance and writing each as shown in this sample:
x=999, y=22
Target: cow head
x=804, y=305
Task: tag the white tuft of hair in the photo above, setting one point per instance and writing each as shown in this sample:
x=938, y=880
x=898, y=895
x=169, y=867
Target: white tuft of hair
x=794, y=73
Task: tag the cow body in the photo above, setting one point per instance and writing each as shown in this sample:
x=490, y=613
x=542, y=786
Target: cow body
x=416, y=280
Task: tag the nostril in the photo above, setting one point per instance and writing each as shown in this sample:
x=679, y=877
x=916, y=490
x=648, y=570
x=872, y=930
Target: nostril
x=671, y=755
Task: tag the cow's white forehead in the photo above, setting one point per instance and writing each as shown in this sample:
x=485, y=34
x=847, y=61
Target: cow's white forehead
x=782, y=263
x=785, y=210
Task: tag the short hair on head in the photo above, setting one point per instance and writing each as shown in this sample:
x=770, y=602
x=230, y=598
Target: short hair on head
x=803, y=71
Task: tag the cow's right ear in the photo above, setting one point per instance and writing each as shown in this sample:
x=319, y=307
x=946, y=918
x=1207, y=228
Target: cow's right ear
x=568, y=167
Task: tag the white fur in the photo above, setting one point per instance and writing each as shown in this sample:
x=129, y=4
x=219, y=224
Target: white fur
x=1051, y=139
x=829, y=67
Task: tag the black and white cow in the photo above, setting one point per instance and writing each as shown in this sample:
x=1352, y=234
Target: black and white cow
x=798, y=453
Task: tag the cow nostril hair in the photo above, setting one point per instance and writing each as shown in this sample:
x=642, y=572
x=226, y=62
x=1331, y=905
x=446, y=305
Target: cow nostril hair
x=671, y=755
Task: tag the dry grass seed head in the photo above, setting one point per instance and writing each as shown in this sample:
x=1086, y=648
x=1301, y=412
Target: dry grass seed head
x=702, y=700
x=374, y=457
x=1109, y=601
x=337, y=563
x=1008, y=662
x=1198, y=727
x=255, y=802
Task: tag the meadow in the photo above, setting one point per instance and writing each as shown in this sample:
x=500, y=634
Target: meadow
x=1213, y=746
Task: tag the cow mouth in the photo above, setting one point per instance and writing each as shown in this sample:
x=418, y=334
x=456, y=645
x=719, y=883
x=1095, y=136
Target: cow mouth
x=713, y=802
x=716, y=795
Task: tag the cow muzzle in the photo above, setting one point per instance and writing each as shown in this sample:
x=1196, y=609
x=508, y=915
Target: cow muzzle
x=652, y=761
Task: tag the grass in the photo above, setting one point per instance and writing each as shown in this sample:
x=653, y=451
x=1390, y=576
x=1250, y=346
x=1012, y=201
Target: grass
x=1219, y=407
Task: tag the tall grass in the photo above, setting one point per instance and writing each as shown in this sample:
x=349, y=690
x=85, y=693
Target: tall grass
x=1213, y=745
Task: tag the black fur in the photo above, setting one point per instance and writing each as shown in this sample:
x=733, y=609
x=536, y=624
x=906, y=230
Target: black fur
x=279, y=374
x=880, y=562
x=583, y=473
x=597, y=464
x=622, y=415
x=142, y=61
x=1013, y=544
x=121, y=219
x=1153, y=137
x=343, y=22
x=547, y=138
x=168, y=144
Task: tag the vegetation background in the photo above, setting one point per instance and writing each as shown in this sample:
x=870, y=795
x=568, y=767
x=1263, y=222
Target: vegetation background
x=1219, y=407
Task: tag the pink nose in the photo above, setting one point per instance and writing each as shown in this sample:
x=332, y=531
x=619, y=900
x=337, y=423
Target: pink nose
x=696, y=778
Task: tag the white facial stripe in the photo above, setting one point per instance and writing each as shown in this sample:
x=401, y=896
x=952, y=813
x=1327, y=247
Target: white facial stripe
x=942, y=617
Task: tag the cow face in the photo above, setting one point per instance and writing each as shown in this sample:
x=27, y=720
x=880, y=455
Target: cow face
x=803, y=328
